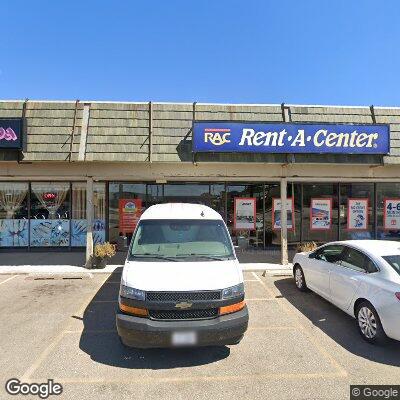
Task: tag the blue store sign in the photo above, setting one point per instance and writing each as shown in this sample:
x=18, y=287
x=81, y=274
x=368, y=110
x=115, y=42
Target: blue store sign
x=11, y=133
x=248, y=137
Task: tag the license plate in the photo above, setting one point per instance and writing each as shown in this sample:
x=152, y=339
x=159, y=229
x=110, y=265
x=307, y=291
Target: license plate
x=184, y=338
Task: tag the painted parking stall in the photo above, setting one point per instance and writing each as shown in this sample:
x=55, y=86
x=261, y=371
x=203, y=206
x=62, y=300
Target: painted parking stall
x=290, y=138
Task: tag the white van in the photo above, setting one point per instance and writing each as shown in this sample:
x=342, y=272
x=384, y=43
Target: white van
x=181, y=284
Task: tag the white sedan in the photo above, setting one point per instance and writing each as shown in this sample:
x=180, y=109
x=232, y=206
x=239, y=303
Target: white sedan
x=361, y=277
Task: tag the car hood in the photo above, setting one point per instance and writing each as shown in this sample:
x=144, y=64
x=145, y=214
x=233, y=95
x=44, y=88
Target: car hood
x=181, y=276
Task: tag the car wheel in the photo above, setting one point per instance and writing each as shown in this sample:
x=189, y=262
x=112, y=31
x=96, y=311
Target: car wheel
x=369, y=324
x=299, y=278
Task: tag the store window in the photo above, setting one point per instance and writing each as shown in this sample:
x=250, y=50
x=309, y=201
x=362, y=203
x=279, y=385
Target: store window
x=388, y=211
x=294, y=192
x=320, y=212
x=272, y=233
x=197, y=193
x=356, y=211
x=79, y=221
x=245, y=237
x=14, y=227
x=218, y=198
x=155, y=194
x=121, y=194
x=50, y=214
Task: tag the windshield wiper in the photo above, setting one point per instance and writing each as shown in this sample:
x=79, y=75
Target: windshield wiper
x=157, y=256
x=209, y=257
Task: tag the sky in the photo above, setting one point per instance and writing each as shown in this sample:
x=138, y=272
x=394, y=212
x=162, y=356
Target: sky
x=222, y=51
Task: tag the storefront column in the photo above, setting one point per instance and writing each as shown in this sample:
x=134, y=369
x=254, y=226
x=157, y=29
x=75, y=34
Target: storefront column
x=89, y=219
x=284, y=245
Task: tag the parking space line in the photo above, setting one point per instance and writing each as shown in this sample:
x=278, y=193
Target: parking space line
x=207, y=378
x=291, y=314
x=267, y=289
x=8, y=279
x=272, y=328
x=93, y=331
x=26, y=377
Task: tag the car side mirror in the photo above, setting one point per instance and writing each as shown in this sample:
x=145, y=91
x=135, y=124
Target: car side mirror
x=312, y=255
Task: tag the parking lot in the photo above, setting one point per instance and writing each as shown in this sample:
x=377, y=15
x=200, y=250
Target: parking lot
x=298, y=346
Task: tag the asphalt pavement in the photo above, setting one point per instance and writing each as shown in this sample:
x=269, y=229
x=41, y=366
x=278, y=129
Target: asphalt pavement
x=298, y=346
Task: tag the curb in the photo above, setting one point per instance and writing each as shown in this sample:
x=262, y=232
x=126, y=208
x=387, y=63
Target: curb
x=69, y=270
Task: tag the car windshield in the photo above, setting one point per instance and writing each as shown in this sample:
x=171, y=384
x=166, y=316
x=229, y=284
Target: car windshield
x=180, y=240
x=393, y=261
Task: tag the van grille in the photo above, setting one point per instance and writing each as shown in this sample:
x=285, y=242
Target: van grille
x=183, y=314
x=182, y=296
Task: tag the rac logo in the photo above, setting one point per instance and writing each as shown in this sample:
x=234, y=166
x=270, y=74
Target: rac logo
x=217, y=137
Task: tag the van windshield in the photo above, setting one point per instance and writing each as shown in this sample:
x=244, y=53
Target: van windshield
x=180, y=240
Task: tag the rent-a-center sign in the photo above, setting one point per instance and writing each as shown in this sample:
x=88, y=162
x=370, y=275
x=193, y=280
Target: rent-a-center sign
x=248, y=137
x=11, y=133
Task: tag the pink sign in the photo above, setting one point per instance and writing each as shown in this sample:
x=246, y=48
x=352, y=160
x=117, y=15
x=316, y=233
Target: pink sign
x=8, y=134
x=11, y=133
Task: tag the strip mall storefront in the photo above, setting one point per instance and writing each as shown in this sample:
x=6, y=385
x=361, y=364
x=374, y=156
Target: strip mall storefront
x=276, y=181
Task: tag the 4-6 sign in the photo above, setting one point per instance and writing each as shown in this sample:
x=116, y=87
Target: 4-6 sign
x=391, y=214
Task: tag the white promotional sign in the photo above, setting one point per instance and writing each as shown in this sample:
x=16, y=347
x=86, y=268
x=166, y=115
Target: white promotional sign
x=357, y=214
x=321, y=214
x=277, y=212
x=245, y=213
x=391, y=214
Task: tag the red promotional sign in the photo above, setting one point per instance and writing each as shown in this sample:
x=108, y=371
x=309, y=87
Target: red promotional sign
x=129, y=214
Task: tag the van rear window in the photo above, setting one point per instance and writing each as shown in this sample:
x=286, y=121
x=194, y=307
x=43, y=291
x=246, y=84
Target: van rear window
x=181, y=240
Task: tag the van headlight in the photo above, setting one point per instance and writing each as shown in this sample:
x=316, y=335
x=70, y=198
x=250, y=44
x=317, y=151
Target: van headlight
x=233, y=291
x=132, y=293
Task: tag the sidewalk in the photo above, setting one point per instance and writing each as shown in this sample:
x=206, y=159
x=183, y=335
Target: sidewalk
x=72, y=263
x=273, y=269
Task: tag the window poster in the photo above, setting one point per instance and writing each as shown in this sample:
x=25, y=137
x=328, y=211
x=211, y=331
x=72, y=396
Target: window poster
x=321, y=214
x=79, y=232
x=13, y=232
x=357, y=214
x=129, y=214
x=391, y=214
x=276, y=213
x=244, y=214
x=49, y=232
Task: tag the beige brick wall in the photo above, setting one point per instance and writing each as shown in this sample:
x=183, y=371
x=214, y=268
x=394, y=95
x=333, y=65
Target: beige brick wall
x=120, y=131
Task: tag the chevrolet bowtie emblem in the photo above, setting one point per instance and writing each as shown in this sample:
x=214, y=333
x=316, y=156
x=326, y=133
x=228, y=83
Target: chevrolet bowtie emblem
x=183, y=305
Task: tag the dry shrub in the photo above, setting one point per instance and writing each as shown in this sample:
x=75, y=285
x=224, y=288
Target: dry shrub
x=306, y=246
x=104, y=250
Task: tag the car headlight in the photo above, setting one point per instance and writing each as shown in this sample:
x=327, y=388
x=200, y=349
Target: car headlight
x=132, y=293
x=233, y=291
